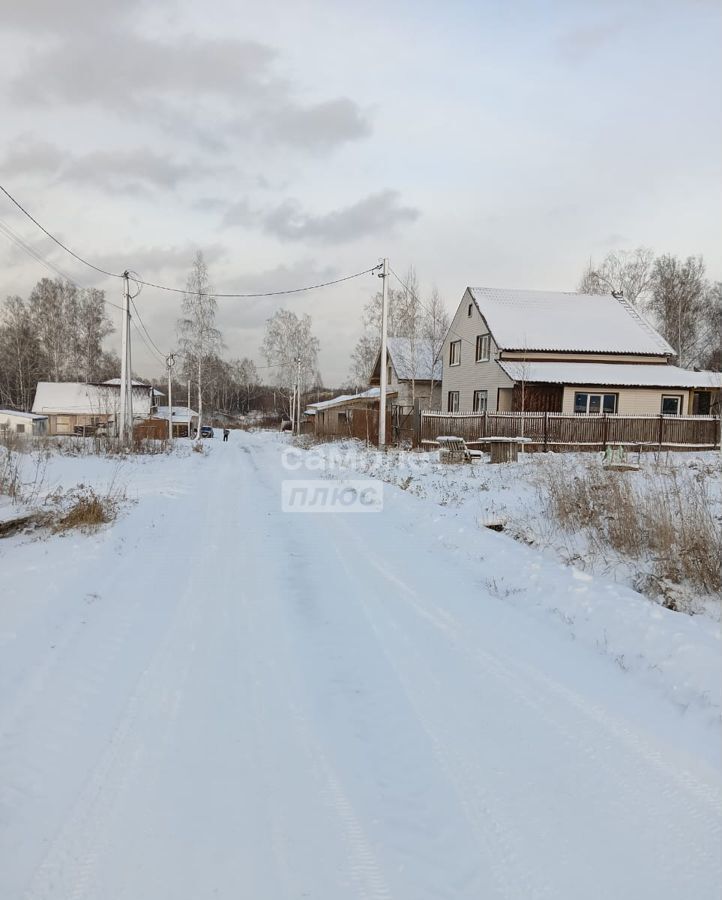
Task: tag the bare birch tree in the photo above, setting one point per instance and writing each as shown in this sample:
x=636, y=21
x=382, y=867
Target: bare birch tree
x=435, y=326
x=199, y=339
x=628, y=272
x=677, y=302
x=289, y=338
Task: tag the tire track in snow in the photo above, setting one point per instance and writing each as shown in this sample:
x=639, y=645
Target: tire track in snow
x=73, y=857
x=511, y=876
x=535, y=690
x=363, y=865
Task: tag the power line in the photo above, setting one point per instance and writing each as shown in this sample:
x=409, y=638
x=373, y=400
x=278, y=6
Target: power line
x=422, y=304
x=310, y=287
x=148, y=346
x=163, y=287
x=50, y=266
x=58, y=242
x=142, y=325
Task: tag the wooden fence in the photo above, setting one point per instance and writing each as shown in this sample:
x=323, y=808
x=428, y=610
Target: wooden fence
x=555, y=431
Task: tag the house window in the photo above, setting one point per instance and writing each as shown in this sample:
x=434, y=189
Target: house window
x=20, y=429
x=594, y=404
x=671, y=404
x=454, y=353
x=343, y=418
x=480, y=401
x=482, y=347
x=453, y=402
x=468, y=311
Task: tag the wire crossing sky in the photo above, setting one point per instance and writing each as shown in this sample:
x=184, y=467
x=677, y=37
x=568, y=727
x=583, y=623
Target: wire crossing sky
x=485, y=143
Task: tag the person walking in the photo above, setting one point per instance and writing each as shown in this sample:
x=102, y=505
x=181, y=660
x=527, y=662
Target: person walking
x=226, y=432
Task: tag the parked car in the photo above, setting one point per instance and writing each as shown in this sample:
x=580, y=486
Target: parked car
x=206, y=431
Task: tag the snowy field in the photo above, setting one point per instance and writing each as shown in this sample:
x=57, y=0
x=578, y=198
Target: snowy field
x=210, y=697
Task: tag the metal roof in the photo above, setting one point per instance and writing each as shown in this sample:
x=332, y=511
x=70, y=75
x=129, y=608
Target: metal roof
x=583, y=323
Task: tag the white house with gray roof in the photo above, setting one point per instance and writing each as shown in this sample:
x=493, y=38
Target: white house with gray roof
x=564, y=352
x=74, y=407
x=414, y=372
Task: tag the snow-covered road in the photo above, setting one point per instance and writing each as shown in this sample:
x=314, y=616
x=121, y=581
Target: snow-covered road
x=216, y=699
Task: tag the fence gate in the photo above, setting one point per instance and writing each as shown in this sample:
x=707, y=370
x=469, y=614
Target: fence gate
x=403, y=424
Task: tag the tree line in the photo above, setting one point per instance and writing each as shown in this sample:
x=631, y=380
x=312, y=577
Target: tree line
x=673, y=293
x=56, y=334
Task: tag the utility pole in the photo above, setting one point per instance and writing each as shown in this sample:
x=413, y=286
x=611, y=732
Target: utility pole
x=126, y=372
x=297, y=394
x=189, y=409
x=383, y=371
x=170, y=362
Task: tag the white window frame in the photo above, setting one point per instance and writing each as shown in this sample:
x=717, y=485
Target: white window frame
x=601, y=395
x=677, y=397
x=452, y=405
x=483, y=395
x=483, y=347
x=455, y=353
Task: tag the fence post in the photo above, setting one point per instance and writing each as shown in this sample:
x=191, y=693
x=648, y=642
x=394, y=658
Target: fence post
x=605, y=431
x=483, y=432
x=661, y=426
x=546, y=430
x=417, y=422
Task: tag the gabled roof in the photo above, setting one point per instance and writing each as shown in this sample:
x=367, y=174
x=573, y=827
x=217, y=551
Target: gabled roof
x=583, y=323
x=371, y=394
x=115, y=382
x=600, y=374
x=75, y=397
x=414, y=359
x=21, y=415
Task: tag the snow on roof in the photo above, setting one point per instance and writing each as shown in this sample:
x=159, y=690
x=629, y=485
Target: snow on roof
x=75, y=397
x=179, y=412
x=622, y=374
x=549, y=320
x=371, y=394
x=414, y=360
x=115, y=382
x=21, y=415
x=67, y=396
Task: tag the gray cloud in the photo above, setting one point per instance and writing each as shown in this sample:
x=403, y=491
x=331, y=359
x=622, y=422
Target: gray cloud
x=378, y=213
x=150, y=261
x=155, y=80
x=121, y=68
x=316, y=126
x=44, y=16
x=114, y=171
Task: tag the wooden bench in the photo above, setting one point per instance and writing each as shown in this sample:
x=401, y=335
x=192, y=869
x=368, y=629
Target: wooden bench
x=454, y=450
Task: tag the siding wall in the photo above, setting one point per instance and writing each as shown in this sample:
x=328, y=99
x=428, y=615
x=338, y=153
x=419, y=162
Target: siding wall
x=633, y=401
x=471, y=376
x=562, y=356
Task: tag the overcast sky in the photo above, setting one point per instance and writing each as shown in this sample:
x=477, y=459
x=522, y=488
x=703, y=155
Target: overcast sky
x=488, y=143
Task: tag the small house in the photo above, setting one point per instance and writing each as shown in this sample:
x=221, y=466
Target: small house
x=23, y=423
x=76, y=408
x=349, y=415
x=185, y=420
x=414, y=372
